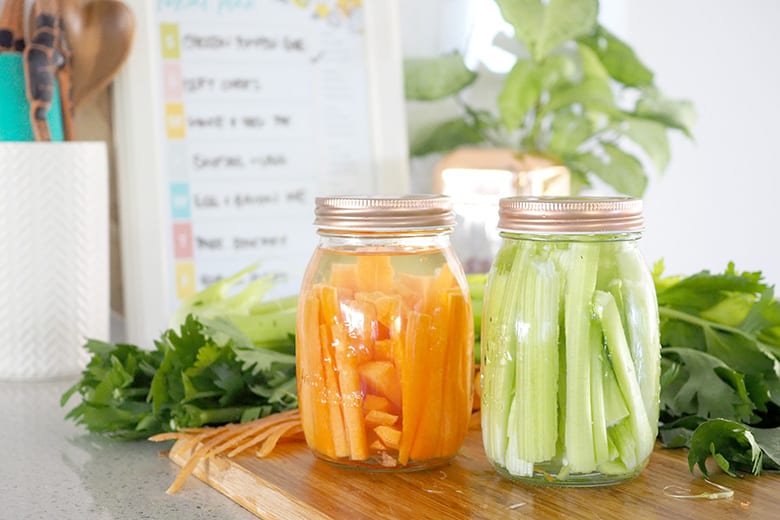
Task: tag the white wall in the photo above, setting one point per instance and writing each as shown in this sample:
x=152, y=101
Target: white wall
x=720, y=198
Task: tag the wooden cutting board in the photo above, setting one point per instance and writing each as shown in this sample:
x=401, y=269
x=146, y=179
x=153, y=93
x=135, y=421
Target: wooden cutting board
x=293, y=484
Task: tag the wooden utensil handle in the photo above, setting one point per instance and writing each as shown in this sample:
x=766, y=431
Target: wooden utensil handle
x=12, y=26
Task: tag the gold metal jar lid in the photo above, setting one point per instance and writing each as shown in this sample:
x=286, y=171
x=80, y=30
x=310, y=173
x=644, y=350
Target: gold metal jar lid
x=384, y=213
x=570, y=214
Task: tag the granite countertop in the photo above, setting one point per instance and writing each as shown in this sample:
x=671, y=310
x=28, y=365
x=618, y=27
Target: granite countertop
x=54, y=469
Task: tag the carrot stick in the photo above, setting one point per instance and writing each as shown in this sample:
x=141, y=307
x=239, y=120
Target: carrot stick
x=361, y=327
x=431, y=430
x=374, y=273
x=351, y=396
x=439, y=287
x=312, y=395
x=344, y=276
x=460, y=371
x=337, y=430
x=413, y=290
x=412, y=375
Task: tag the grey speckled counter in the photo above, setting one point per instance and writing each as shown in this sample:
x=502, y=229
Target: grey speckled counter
x=51, y=469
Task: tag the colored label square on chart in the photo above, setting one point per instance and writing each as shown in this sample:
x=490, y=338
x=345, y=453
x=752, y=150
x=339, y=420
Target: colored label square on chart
x=169, y=41
x=174, y=121
x=180, y=200
x=182, y=240
x=172, y=83
x=185, y=279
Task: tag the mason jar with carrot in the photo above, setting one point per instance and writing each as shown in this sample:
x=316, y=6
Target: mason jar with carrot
x=385, y=335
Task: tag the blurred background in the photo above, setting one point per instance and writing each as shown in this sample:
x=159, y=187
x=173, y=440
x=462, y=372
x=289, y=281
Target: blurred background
x=718, y=200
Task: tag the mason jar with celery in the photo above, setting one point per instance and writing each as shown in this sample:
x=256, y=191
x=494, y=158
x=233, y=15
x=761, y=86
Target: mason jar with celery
x=570, y=343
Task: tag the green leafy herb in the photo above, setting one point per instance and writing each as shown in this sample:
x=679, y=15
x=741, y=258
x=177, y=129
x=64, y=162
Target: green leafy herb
x=232, y=360
x=720, y=393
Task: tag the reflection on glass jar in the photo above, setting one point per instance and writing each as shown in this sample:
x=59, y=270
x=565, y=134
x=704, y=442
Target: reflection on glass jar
x=385, y=335
x=570, y=344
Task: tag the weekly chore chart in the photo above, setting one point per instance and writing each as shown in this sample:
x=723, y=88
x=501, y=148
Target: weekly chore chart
x=264, y=107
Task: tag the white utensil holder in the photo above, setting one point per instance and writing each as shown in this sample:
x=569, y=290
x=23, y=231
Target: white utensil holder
x=54, y=256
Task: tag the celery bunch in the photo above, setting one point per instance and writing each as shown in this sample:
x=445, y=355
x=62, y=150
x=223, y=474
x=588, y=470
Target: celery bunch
x=570, y=360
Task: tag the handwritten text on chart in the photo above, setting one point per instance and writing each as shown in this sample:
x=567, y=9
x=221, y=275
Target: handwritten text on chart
x=201, y=201
x=281, y=200
x=225, y=121
x=250, y=42
x=270, y=160
x=214, y=6
x=234, y=82
x=240, y=243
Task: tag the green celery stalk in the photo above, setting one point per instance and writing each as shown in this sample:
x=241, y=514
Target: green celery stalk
x=625, y=373
x=597, y=399
x=272, y=330
x=498, y=346
x=615, y=408
x=641, y=324
x=580, y=285
x=514, y=463
x=623, y=438
x=536, y=394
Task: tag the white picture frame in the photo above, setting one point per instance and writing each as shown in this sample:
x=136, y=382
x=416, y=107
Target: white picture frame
x=144, y=183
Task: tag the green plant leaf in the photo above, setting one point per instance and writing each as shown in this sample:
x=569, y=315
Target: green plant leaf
x=731, y=444
x=704, y=386
x=620, y=170
x=651, y=137
x=619, y=59
x=672, y=113
x=430, y=79
x=591, y=64
x=520, y=93
x=445, y=137
x=557, y=71
x=543, y=27
x=769, y=441
x=591, y=94
x=526, y=17
x=578, y=179
x=568, y=130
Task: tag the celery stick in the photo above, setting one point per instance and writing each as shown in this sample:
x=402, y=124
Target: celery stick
x=514, y=463
x=623, y=438
x=641, y=322
x=536, y=394
x=493, y=347
x=600, y=444
x=615, y=408
x=625, y=373
x=271, y=330
x=580, y=284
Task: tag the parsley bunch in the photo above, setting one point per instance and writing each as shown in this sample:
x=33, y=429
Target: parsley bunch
x=229, y=356
x=720, y=380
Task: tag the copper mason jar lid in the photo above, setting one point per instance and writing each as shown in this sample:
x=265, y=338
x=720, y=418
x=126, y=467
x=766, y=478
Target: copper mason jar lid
x=384, y=213
x=570, y=214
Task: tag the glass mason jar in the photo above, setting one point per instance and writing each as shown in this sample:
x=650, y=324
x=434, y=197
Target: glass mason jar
x=385, y=335
x=570, y=367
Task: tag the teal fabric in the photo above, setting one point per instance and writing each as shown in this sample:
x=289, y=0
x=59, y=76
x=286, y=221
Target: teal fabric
x=14, y=108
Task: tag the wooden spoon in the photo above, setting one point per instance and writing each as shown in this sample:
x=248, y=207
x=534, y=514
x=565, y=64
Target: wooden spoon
x=100, y=34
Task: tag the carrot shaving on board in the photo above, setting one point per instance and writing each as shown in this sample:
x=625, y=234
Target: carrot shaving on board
x=235, y=439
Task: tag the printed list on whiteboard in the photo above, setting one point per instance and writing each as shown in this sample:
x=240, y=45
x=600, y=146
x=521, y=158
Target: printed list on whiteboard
x=265, y=108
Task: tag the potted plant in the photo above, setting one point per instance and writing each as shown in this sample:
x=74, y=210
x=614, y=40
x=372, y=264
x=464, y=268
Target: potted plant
x=577, y=96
